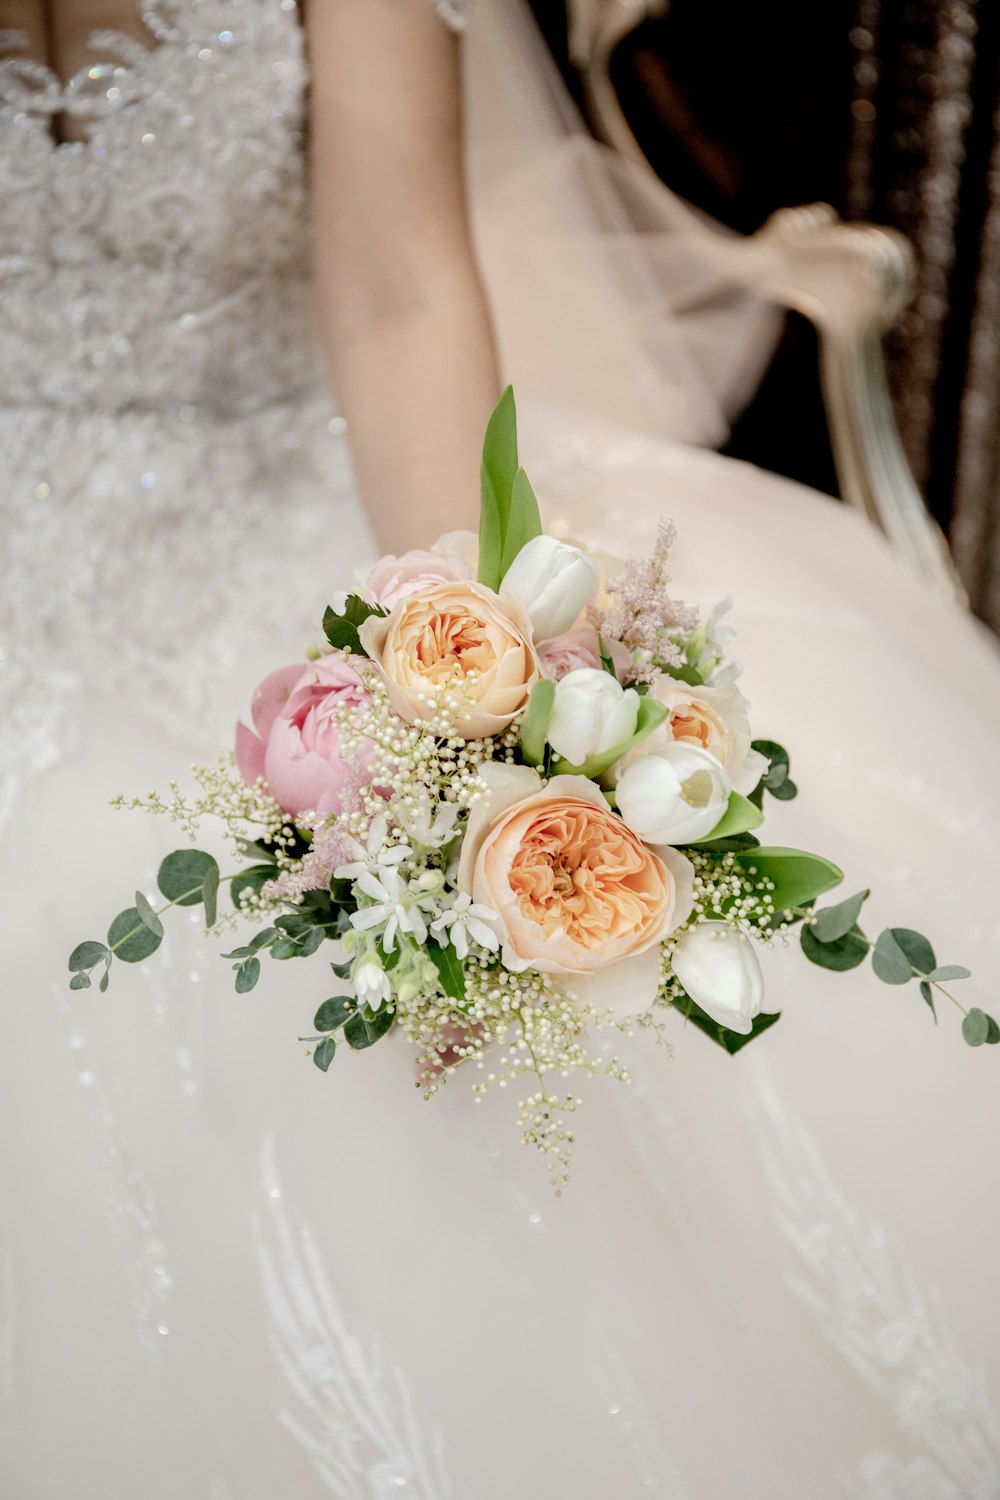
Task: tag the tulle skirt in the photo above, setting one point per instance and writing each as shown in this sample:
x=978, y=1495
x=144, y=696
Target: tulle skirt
x=225, y=1274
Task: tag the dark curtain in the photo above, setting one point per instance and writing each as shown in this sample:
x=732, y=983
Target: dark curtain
x=890, y=111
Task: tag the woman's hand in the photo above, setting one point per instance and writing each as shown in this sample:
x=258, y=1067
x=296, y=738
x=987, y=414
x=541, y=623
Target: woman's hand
x=404, y=316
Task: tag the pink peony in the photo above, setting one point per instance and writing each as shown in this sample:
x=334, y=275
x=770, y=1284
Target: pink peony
x=395, y=578
x=297, y=745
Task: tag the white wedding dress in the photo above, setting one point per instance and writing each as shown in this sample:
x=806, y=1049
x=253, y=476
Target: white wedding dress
x=224, y=1276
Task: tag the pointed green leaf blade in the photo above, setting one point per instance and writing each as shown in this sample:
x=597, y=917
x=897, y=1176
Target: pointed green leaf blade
x=739, y=817
x=524, y=522
x=499, y=465
x=536, y=721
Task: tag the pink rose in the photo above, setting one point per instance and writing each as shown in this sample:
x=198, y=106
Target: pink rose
x=297, y=745
x=395, y=578
x=580, y=647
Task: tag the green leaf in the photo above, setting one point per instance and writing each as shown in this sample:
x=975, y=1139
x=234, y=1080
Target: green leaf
x=976, y=1027
x=334, y=1012
x=341, y=892
x=687, y=674
x=360, y=1033
x=342, y=630
x=917, y=949
x=607, y=661
x=378, y=1022
x=775, y=779
x=993, y=1032
x=842, y=953
x=210, y=894
x=323, y=1053
x=104, y=981
x=731, y=1041
x=651, y=713
x=148, y=915
x=900, y=953
x=449, y=967
x=928, y=996
x=284, y=948
x=949, y=971
x=261, y=940
x=523, y=523
x=835, y=922
x=496, y=476
x=739, y=817
x=130, y=939
x=738, y=844
x=889, y=961
x=342, y=971
x=253, y=879
x=86, y=955
x=181, y=876
x=535, y=723
x=797, y=877
x=247, y=975
x=80, y=981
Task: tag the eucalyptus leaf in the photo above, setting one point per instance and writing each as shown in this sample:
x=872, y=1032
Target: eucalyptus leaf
x=889, y=961
x=797, y=877
x=449, y=968
x=323, y=1053
x=917, y=949
x=497, y=471
x=80, y=981
x=148, y=915
x=949, y=971
x=927, y=995
x=536, y=721
x=842, y=953
x=247, y=975
x=976, y=1027
x=130, y=939
x=739, y=817
x=86, y=955
x=334, y=1012
x=181, y=876
x=210, y=894
x=834, y=922
x=378, y=1022
x=258, y=941
x=105, y=977
x=357, y=1034
x=993, y=1032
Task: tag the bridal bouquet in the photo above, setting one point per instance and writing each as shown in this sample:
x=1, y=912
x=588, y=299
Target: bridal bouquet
x=518, y=792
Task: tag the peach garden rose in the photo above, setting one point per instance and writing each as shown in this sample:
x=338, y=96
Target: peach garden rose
x=573, y=889
x=456, y=636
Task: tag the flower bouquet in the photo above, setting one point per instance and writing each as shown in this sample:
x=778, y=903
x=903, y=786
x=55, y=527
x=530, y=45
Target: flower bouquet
x=517, y=791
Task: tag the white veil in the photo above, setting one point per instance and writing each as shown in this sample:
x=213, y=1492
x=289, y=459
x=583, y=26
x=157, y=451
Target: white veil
x=612, y=298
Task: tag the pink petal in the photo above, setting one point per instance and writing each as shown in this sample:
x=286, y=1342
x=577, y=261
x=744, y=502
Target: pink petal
x=272, y=695
x=249, y=754
x=298, y=779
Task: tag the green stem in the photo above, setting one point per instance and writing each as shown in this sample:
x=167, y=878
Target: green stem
x=161, y=909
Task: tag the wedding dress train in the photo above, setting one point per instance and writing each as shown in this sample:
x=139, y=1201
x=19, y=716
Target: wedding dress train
x=224, y=1275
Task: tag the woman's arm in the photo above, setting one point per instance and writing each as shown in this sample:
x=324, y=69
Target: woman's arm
x=404, y=315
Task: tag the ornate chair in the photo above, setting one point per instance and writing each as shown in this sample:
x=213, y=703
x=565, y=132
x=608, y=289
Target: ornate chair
x=850, y=280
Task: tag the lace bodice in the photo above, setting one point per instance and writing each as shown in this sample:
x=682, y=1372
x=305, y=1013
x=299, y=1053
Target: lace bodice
x=166, y=431
x=164, y=258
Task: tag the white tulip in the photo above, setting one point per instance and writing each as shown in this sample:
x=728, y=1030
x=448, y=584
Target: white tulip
x=719, y=969
x=674, y=795
x=591, y=713
x=553, y=581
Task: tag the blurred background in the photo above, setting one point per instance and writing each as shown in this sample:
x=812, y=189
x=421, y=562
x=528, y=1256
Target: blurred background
x=889, y=111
